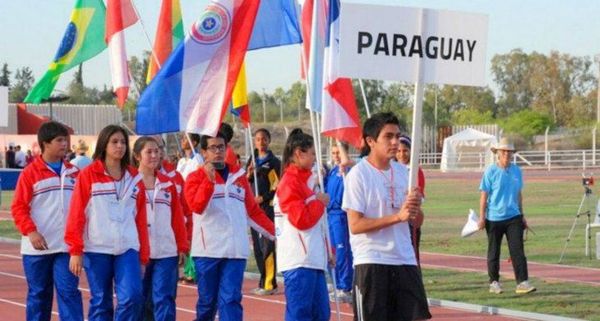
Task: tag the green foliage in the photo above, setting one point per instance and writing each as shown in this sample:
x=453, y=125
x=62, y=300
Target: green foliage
x=23, y=82
x=526, y=123
x=472, y=116
x=5, y=76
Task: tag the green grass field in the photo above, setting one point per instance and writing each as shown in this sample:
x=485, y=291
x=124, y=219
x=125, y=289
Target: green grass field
x=569, y=300
x=550, y=207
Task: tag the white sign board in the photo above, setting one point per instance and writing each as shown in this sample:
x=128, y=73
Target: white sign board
x=3, y=106
x=388, y=43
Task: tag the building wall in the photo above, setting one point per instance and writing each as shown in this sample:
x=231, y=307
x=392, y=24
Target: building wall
x=84, y=119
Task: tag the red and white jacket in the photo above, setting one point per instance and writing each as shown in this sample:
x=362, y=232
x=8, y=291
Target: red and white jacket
x=300, y=229
x=105, y=217
x=222, y=212
x=170, y=171
x=166, y=226
x=41, y=203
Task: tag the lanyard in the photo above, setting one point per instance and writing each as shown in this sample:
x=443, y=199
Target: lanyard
x=390, y=181
x=119, y=190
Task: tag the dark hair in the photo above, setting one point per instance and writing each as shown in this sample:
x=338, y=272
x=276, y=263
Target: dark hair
x=139, y=145
x=194, y=138
x=102, y=143
x=264, y=131
x=204, y=140
x=297, y=139
x=50, y=130
x=373, y=126
x=227, y=132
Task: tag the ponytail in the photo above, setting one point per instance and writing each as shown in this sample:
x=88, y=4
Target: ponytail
x=297, y=139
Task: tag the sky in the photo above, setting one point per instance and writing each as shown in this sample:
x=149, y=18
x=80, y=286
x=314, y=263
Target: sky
x=31, y=30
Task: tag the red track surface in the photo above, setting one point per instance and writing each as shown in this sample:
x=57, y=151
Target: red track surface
x=13, y=290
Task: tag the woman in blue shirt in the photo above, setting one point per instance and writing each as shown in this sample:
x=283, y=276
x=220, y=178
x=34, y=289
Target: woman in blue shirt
x=501, y=213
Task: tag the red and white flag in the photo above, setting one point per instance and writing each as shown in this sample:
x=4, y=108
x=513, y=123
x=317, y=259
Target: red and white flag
x=120, y=14
x=340, y=118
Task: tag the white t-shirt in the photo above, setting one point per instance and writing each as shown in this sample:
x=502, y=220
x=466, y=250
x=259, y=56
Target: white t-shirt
x=375, y=194
x=186, y=166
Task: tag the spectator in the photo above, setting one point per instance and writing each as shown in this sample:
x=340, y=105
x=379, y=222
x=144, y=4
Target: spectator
x=81, y=160
x=20, y=159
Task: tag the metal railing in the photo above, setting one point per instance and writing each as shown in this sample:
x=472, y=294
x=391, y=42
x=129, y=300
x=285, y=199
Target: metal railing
x=553, y=159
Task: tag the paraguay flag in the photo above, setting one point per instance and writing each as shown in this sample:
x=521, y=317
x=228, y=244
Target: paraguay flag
x=340, y=118
x=192, y=91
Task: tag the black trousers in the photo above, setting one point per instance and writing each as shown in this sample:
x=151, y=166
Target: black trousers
x=264, y=253
x=513, y=229
x=389, y=293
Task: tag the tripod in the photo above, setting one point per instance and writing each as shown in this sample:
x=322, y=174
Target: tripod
x=585, y=199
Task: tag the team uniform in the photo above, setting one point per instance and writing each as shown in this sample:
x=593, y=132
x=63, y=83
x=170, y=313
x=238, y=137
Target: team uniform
x=222, y=212
x=41, y=203
x=301, y=246
x=268, y=171
x=387, y=282
x=338, y=229
x=186, y=166
x=107, y=224
x=168, y=238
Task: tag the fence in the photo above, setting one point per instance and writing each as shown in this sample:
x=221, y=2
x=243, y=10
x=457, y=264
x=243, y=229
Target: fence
x=583, y=159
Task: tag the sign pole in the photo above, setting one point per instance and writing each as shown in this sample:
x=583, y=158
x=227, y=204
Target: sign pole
x=417, y=118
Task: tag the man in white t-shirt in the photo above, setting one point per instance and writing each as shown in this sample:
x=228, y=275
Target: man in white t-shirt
x=192, y=160
x=387, y=282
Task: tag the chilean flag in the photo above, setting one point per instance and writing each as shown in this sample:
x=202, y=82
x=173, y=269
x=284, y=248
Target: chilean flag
x=191, y=92
x=340, y=118
x=120, y=14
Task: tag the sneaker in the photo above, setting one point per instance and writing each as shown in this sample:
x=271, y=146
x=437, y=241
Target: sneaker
x=524, y=288
x=264, y=292
x=187, y=281
x=343, y=296
x=495, y=287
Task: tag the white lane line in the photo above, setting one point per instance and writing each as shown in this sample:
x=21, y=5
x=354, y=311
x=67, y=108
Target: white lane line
x=179, y=285
x=83, y=289
x=20, y=304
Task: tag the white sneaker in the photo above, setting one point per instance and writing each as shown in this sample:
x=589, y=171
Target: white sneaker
x=343, y=296
x=524, y=288
x=495, y=287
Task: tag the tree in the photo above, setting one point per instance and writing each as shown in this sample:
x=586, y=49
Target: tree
x=297, y=99
x=526, y=123
x=23, y=82
x=375, y=92
x=511, y=73
x=472, y=116
x=138, y=68
x=5, y=76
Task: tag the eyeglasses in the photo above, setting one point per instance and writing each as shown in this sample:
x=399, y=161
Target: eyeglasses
x=217, y=148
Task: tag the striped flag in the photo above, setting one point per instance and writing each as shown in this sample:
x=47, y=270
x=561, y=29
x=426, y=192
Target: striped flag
x=120, y=14
x=239, y=99
x=340, y=118
x=317, y=20
x=192, y=91
x=169, y=34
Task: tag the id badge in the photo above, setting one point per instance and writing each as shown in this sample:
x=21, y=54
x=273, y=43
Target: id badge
x=116, y=211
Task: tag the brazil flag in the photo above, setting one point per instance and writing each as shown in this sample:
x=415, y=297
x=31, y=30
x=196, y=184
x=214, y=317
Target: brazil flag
x=83, y=39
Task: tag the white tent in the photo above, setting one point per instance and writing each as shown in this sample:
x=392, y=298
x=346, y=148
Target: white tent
x=467, y=150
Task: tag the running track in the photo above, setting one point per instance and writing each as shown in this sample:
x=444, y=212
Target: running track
x=13, y=289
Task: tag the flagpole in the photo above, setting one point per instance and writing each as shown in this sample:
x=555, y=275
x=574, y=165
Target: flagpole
x=325, y=224
x=253, y=157
x=364, y=96
x=146, y=34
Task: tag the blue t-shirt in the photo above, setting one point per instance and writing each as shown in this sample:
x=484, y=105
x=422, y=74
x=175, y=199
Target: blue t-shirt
x=56, y=167
x=503, y=187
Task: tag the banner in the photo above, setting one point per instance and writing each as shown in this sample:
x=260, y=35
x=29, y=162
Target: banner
x=389, y=43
